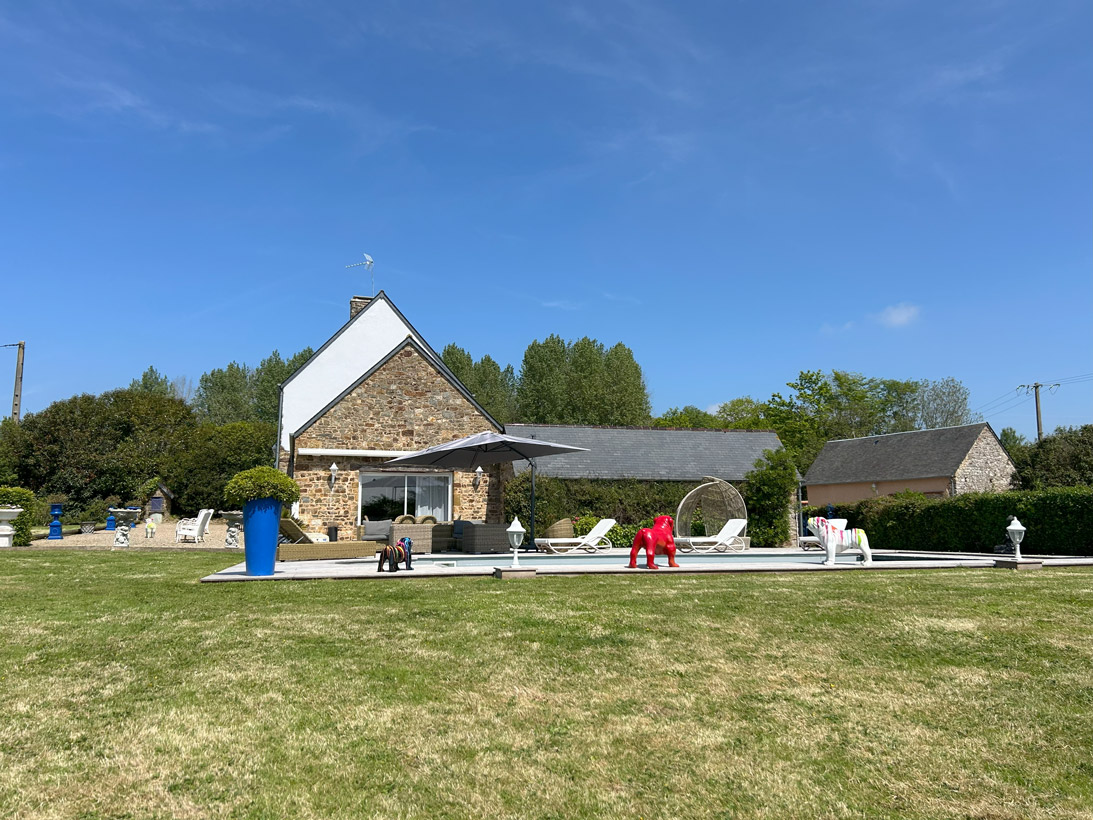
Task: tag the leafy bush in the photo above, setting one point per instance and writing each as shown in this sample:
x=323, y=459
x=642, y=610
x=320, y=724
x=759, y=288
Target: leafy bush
x=147, y=490
x=93, y=511
x=1059, y=521
x=1062, y=459
x=212, y=456
x=261, y=482
x=91, y=447
x=18, y=497
x=768, y=491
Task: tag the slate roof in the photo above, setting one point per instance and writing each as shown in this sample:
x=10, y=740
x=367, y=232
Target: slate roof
x=894, y=457
x=648, y=453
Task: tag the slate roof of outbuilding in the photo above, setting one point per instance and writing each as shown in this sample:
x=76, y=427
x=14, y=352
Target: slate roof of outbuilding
x=648, y=453
x=894, y=457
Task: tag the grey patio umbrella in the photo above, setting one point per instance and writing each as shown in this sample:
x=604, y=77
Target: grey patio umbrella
x=486, y=448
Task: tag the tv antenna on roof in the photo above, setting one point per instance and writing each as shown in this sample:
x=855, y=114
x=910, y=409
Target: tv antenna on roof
x=368, y=263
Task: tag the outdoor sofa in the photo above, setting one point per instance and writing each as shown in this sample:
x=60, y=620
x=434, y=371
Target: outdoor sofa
x=300, y=546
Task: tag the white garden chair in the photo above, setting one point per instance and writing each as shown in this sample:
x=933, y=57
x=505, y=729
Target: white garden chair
x=731, y=537
x=595, y=540
x=194, y=528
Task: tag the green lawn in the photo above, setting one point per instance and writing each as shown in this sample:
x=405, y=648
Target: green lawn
x=127, y=689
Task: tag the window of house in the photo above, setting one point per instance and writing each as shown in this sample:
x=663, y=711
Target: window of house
x=389, y=495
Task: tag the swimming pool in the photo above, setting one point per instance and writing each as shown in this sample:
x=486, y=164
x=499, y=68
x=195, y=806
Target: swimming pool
x=541, y=561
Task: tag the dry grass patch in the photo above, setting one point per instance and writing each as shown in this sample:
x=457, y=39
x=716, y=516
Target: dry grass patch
x=132, y=691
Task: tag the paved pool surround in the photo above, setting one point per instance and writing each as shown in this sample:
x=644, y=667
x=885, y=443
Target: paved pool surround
x=615, y=562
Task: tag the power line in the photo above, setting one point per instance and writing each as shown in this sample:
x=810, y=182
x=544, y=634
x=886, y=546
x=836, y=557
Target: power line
x=1084, y=377
x=1035, y=388
x=1007, y=401
x=1007, y=395
x=1021, y=400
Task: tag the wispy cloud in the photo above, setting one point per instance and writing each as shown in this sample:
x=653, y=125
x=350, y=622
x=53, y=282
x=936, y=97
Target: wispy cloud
x=83, y=97
x=370, y=126
x=955, y=83
x=631, y=43
x=561, y=304
x=832, y=330
x=899, y=315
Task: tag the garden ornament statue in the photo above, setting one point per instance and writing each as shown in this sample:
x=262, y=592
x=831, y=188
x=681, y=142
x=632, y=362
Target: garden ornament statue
x=394, y=554
x=655, y=540
x=121, y=536
x=835, y=540
x=55, y=524
x=8, y=513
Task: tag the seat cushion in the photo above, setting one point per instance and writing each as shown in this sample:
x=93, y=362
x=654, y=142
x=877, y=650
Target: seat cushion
x=376, y=530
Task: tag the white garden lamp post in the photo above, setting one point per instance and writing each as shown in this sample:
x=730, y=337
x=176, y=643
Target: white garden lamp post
x=516, y=538
x=1016, y=533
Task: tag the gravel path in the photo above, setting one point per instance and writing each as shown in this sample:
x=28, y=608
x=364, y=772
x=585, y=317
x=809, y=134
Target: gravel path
x=164, y=539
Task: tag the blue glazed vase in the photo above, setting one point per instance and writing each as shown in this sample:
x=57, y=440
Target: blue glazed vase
x=261, y=522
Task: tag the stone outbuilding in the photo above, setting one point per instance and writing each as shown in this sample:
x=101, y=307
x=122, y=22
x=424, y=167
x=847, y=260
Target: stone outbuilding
x=939, y=463
x=159, y=503
x=376, y=390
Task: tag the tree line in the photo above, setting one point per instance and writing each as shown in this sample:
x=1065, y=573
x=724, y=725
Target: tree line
x=97, y=450
x=93, y=452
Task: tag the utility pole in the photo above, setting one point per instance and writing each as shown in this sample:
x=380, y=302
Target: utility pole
x=17, y=395
x=1035, y=388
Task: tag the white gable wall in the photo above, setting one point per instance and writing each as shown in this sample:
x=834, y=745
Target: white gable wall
x=361, y=345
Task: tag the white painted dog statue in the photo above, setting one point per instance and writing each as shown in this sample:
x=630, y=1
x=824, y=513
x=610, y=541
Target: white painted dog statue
x=835, y=540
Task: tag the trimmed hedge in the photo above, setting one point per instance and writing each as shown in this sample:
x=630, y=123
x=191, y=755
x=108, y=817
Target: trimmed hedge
x=1059, y=521
x=18, y=497
x=628, y=501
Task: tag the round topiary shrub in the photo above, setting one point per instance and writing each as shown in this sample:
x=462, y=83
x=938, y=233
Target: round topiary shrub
x=260, y=482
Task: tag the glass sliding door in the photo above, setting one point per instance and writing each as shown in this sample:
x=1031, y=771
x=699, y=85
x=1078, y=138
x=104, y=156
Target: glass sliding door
x=431, y=495
x=389, y=495
x=383, y=496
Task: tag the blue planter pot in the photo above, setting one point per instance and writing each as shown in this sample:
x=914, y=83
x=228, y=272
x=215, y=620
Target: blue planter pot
x=261, y=522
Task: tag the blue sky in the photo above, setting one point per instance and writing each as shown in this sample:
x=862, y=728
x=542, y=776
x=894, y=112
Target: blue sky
x=737, y=191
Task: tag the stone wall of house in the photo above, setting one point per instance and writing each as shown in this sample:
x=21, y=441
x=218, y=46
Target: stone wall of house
x=986, y=468
x=405, y=405
x=818, y=495
x=324, y=505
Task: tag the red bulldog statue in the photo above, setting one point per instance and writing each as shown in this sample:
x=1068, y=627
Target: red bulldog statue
x=655, y=540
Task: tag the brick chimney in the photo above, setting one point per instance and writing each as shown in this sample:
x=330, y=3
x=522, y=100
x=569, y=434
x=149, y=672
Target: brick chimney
x=357, y=304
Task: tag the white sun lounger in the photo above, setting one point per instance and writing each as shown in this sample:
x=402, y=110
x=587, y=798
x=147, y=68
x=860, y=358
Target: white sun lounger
x=730, y=538
x=595, y=540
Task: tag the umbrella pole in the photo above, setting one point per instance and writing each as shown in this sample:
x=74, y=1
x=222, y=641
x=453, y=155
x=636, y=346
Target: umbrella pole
x=533, y=545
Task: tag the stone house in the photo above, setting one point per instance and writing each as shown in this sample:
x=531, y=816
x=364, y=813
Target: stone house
x=376, y=390
x=940, y=463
